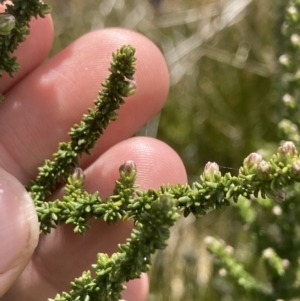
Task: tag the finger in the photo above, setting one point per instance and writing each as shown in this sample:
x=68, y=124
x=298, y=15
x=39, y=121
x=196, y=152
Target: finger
x=18, y=230
x=138, y=287
x=32, y=52
x=62, y=256
x=34, y=120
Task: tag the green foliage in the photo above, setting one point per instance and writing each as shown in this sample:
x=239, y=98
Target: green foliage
x=289, y=61
x=235, y=270
x=273, y=235
x=158, y=210
x=14, y=24
x=133, y=258
x=84, y=136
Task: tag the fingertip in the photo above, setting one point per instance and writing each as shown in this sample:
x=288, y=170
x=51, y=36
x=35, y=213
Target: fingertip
x=152, y=75
x=157, y=162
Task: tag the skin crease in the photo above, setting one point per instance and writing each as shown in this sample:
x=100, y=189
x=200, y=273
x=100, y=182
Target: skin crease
x=34, y=120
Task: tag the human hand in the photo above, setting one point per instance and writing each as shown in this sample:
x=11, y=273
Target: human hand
x=42, y=102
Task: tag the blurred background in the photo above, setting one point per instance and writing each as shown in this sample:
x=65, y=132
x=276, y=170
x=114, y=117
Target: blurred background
x=223, y=105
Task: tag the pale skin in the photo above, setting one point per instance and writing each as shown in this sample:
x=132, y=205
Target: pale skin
x=43, y=100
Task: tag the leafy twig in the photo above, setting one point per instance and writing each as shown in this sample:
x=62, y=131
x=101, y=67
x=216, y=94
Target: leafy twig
x=84, y=136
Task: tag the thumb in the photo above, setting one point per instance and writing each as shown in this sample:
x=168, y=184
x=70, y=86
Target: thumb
x=19, y=230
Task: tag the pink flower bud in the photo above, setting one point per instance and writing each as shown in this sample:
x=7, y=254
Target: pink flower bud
x=7, y=23
x=211, y=172
x=295, y=39
x=253, y=159
x=285, y=60
x=128, y=169
x=77, y=177
x=264, y=169
x=131, y=87
x=288, y=147
x=129, y=166
x=250, y=163
x=287, y=152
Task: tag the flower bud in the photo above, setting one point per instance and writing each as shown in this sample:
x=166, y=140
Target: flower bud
x=264, y=170
x=286, y=152
x=293, y=13
x=289, y=129
x=209, y=240
x=295, y=39
x=277, y=210
x=285, y=60
x=288, y=147
x=128, y=167
x=7, y=23
x=223, y=272
x=211, y=172
x=128, y=170
x=77, y=177
x=285, y=263
x=250, y=163
x=46, y=9
x=268, y=253
x=229, y=249
x=131, y=87
x=289, y=101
